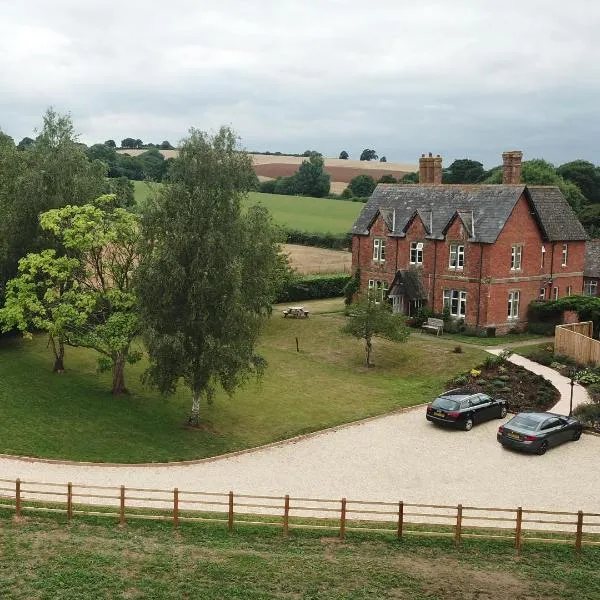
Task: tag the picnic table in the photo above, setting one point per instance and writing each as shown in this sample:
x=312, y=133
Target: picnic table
x=298, y=312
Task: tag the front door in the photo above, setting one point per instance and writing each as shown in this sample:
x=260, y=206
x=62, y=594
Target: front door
x=398, y=305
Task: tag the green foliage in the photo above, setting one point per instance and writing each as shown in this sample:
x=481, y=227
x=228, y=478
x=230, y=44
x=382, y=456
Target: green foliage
x=346, y=194
x=588, y=414
x=311, y=179
x=340, y=241
x=344, y=155
x=352, y=287
x=123, y=190
x=268, y=187
x=286, y=186
x=368, y=154
x=210, y=274
x=383, y=159
x=464, y=171
x=387, y=179
x=588, y=376
x=410, y=178
x=585, y=175
x=314, y=287
x=362, y=186
x=367, y=318
x=550, y=311
x=25, y=143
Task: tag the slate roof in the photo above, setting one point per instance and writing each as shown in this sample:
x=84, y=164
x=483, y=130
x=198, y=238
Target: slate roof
x=408, y=283
x=592, y=259
x=484, y=209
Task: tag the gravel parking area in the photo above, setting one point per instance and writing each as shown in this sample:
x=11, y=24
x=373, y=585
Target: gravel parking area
x=395, y=457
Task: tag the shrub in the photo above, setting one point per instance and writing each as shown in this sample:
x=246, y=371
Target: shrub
x=491, y=361
x=594, y=391
x=542, y=357
x=455, y=326
x=498, y=383
x=461, y=380
x=541, y=328
x=589, y=414
x=504, y=356
x=340, y=241
x=457, y=350
x=313, y=287
x=587, y=377
x=503, y=377
x=480, y=381
x=267, y=187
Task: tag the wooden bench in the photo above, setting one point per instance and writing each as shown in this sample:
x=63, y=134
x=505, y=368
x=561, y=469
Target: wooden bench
x=298, y=312
x=433, y=324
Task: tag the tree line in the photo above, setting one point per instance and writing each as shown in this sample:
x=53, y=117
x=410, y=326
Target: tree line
x=189, y=281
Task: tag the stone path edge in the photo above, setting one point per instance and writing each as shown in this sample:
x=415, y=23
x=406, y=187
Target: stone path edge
x=287, y=441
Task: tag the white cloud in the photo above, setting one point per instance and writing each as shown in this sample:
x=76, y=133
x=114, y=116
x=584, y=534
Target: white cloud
x=462, y=77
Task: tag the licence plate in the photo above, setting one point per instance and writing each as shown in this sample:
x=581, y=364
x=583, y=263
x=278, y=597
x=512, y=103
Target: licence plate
x=439, y=413
x=514, y=436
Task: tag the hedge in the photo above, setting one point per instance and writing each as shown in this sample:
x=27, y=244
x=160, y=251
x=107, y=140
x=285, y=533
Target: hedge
x=341, y=241
x=314, y=287
x=550, y=312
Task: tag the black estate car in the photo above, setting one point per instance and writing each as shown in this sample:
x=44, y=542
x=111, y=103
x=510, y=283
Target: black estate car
x=461, y=408
x=536, y=432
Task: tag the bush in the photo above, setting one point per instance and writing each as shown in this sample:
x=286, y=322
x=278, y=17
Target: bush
x=267, y=187
x=457, y=350
x=341, y=241
x=543, y=357
x=588, y=414
x=454, y=326
x=421, y=316
x=313, y=287
x=587, y=377
x=541, y=328
x=594, y=391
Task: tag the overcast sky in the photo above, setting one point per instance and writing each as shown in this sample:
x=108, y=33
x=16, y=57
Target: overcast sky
x=462, y=78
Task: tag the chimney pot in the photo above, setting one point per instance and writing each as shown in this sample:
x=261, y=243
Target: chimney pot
x=430, y=155
x=511, y=167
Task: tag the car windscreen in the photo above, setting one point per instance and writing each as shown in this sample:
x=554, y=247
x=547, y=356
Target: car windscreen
x=446, y=403
x=524, y=422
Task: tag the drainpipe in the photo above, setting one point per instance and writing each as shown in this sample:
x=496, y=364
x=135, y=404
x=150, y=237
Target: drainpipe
x=434, y=274
x=479, y=286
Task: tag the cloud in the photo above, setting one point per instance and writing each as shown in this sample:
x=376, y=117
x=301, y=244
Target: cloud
x=462, y=78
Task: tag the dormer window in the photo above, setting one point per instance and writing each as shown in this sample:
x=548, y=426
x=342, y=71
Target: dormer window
x=379, y=250
x=416, y=253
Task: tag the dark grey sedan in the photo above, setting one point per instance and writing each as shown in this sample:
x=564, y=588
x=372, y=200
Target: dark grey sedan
x=538, y=431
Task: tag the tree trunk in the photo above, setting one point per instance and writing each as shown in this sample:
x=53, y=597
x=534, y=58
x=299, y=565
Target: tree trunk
x=59, y=355
x=194, y=419
x=368, y=347
x=118, y=374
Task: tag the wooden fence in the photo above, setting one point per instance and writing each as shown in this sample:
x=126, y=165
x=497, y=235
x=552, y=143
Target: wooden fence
x=576, y=342
x=343, y=516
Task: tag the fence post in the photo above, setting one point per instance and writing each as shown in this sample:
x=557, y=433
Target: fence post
x=286, y=515
x=343, y=520
x=230, y=515
x=458, y=530
x=518, y=527
x=18, y=499
x=122, y=507
x=579, y=534
x=400, y=518
x=69, y=502
x=176, y=507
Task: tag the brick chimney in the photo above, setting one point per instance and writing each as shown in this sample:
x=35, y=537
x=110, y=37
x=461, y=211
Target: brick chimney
x=430, y=169
x=511, y=167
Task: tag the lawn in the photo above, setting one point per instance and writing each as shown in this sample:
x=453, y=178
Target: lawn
x=73, y=416
x=501, y=340
x=46, y=559
x=315, y=215
x=530, y=349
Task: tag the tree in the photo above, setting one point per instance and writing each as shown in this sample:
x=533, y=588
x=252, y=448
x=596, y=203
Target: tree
x=54, y=172
x=541, y=172
x=286, y=186
x=139, y=143
x=128, y=143
x=368, y=317
x=25, y=143
x=311, y=179
x=383, y=159
x=464, y=170
x=410, y=178
x=209, y=273
x=104, y=242
x=110, y=143
x=387, y=179
x=123, y=190
x=153, y=164
x=585, y=175
x=368, y=155
x=362, y=186
x=166, y=145
x=344, y=155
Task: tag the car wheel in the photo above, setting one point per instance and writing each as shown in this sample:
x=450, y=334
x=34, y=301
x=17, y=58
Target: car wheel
x=503, y=411
x=468, y=424
x=576, y=434
x=543, y=447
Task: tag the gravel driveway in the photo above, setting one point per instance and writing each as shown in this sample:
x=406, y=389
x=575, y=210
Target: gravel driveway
x=395, y=457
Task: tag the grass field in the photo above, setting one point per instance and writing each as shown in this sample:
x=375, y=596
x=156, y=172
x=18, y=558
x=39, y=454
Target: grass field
x=73, y=416
x=45, y=559
x=316, y=215
x=307, y=259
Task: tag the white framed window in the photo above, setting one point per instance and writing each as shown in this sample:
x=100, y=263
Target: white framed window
x=590, y=288
x=456, y=301
x=416, y=253
x=378, y=290
x=569, y=290
x=457, y=256
x=379, y=250
x=515, y=257
x=555, y=293
x=543, y=256
x=513, y=304
x=542, y=293
x=565, y=254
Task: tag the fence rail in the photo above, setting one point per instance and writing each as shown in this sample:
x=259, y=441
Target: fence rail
x=575, y=341
x=342, y=516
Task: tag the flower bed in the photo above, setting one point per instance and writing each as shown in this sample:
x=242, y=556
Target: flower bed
x=497, y=377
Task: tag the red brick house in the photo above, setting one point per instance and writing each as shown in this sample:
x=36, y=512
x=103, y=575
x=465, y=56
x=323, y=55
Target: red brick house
x=591, y=272
x=483, y=251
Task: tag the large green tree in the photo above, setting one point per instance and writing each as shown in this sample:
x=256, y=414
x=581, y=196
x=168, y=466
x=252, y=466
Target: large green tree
x=464, y=170
x=362, y=186
x=311, y=179
x=209, y=273
x=586, y=175
x=368, y=154
x=369, y=317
